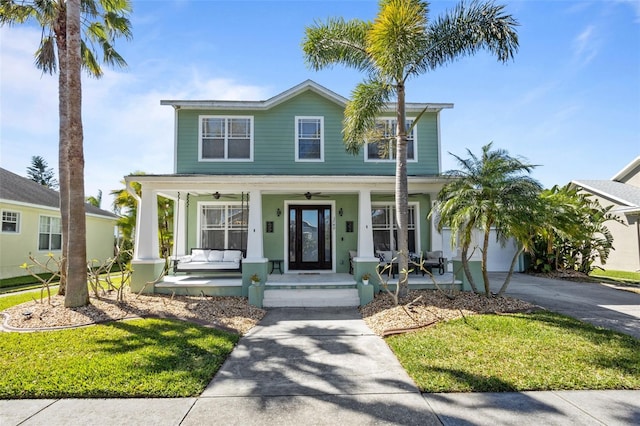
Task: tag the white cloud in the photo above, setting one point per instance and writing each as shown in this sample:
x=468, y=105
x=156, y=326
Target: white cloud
x=125, y=127
x=586, y=45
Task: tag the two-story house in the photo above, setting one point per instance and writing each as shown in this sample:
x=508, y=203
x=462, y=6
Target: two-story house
x=272, y=178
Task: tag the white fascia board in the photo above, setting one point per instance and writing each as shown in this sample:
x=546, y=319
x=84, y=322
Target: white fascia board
x=288, y=94
x=622, y=173
x=281, y=183
x=49, y=208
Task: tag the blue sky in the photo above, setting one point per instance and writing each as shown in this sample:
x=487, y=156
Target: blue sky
x=569, y=102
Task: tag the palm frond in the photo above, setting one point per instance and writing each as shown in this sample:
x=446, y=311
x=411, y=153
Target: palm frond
x=337, y=42
x=368, y=99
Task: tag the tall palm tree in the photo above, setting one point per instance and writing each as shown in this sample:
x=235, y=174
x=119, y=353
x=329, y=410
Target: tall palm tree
x=102, y=21
x=492, y=191
x=400, y=44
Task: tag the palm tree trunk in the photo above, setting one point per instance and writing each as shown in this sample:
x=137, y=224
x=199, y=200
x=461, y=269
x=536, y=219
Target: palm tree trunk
x=60, y=30
x=402, y=194
x=465, y=267
x=507, y=280
x=77, y=291
x=485, y=252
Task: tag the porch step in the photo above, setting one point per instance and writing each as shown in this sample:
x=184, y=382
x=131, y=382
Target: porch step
x=305, y=297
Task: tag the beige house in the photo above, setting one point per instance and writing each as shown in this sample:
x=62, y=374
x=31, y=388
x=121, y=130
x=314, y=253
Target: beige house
x=622, y=192
x=31, y=225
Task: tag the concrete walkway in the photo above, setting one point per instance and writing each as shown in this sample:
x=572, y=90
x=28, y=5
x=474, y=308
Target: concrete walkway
x=324, y=366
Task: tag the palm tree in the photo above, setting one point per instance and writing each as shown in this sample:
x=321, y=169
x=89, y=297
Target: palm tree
x=102, y=21
x=95, y=201
x=401, y=44
x=492, y=191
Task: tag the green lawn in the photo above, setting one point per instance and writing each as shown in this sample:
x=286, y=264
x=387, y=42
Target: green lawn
x=625, y=276
x=140, y=358
x=537, y=351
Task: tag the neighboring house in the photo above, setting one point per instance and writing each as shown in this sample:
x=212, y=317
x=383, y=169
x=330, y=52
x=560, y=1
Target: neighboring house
x=31, y=225
x=273, y=178
x=622, y=192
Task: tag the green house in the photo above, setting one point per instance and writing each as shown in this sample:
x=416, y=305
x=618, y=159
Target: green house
x=273, y=180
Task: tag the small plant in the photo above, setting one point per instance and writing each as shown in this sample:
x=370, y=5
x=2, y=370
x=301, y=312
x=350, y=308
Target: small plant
x=366, y=276
x=255, y=279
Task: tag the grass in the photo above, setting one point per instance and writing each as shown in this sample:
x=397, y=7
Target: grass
x=518, y=352
x=624, y=276
x=16, y=299
x=141, y=358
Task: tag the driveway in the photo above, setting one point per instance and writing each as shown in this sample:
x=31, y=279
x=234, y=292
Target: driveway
x=591, y=302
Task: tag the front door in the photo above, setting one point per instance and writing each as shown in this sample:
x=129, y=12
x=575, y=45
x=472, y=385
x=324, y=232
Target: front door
x=309, y=237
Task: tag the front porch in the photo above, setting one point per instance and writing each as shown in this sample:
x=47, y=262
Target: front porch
x=296, y=289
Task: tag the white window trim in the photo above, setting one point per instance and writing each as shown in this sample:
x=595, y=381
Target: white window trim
x=18, y=222
x=296, y=142
x=202, y=204
x=393, y=160
x=49, y=250
x=416, y=219
x=225, y=160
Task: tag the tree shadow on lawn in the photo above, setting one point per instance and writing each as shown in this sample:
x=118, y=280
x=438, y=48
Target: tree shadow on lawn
x=180, y=353
x=629, y=347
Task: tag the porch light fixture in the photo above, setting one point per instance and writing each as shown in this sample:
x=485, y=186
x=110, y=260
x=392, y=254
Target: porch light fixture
x=340, y=212
x=278, y=212
x=216, y=195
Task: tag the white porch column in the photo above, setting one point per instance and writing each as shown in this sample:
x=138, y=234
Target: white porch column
x=147, y=246
x=436, y=237
x=365, y=225
x=254, y=235
x=180, y=228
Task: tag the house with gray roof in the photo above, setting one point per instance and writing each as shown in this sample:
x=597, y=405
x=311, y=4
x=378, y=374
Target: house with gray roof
x=622, y=192
x=31, y=225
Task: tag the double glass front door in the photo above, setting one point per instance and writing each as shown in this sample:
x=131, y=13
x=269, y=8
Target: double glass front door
x=309, y=237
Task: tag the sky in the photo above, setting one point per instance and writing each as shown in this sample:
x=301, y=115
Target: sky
x=569, y=102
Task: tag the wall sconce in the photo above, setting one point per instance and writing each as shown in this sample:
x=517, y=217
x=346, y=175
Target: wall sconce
x=278, y=212
x=340, y=212
x=216, y=195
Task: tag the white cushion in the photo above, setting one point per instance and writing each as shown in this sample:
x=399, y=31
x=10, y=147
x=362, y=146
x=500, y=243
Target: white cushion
x=200, y=255
x=232, y=256
x=216, y=255
x=185, y=259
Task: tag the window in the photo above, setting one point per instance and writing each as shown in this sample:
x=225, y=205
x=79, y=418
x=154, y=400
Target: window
x=309, y=138
x=223, y=226
x=384, y=149
x=10, y=222
x=385, y=229
x=226, y=138
x=50, y=236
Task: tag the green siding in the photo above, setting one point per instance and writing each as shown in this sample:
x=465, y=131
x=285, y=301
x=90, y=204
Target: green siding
x=274, y=139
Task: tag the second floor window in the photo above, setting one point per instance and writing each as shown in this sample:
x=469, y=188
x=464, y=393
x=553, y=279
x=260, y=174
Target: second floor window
x=384, y=148
x=309, y=139
x=226, y=138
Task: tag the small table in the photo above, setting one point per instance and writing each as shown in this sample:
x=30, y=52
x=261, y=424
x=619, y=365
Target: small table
x=276, y=264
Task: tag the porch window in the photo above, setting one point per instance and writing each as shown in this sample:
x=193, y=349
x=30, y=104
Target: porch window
x=309, y=138
x=223, y=226
x=384, y=148
x=10, y=222
x=226, y=138
x=385, y=230
x=50, y=235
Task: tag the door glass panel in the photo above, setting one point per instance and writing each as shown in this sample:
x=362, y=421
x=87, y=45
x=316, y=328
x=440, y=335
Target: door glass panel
x=327, y=234
x=310, y=235
x=292, y=236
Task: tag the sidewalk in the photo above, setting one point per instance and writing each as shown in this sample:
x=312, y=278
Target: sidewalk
x=326, y=367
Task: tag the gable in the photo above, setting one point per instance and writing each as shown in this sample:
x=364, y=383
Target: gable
x=630, y=174
x=273, y=136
